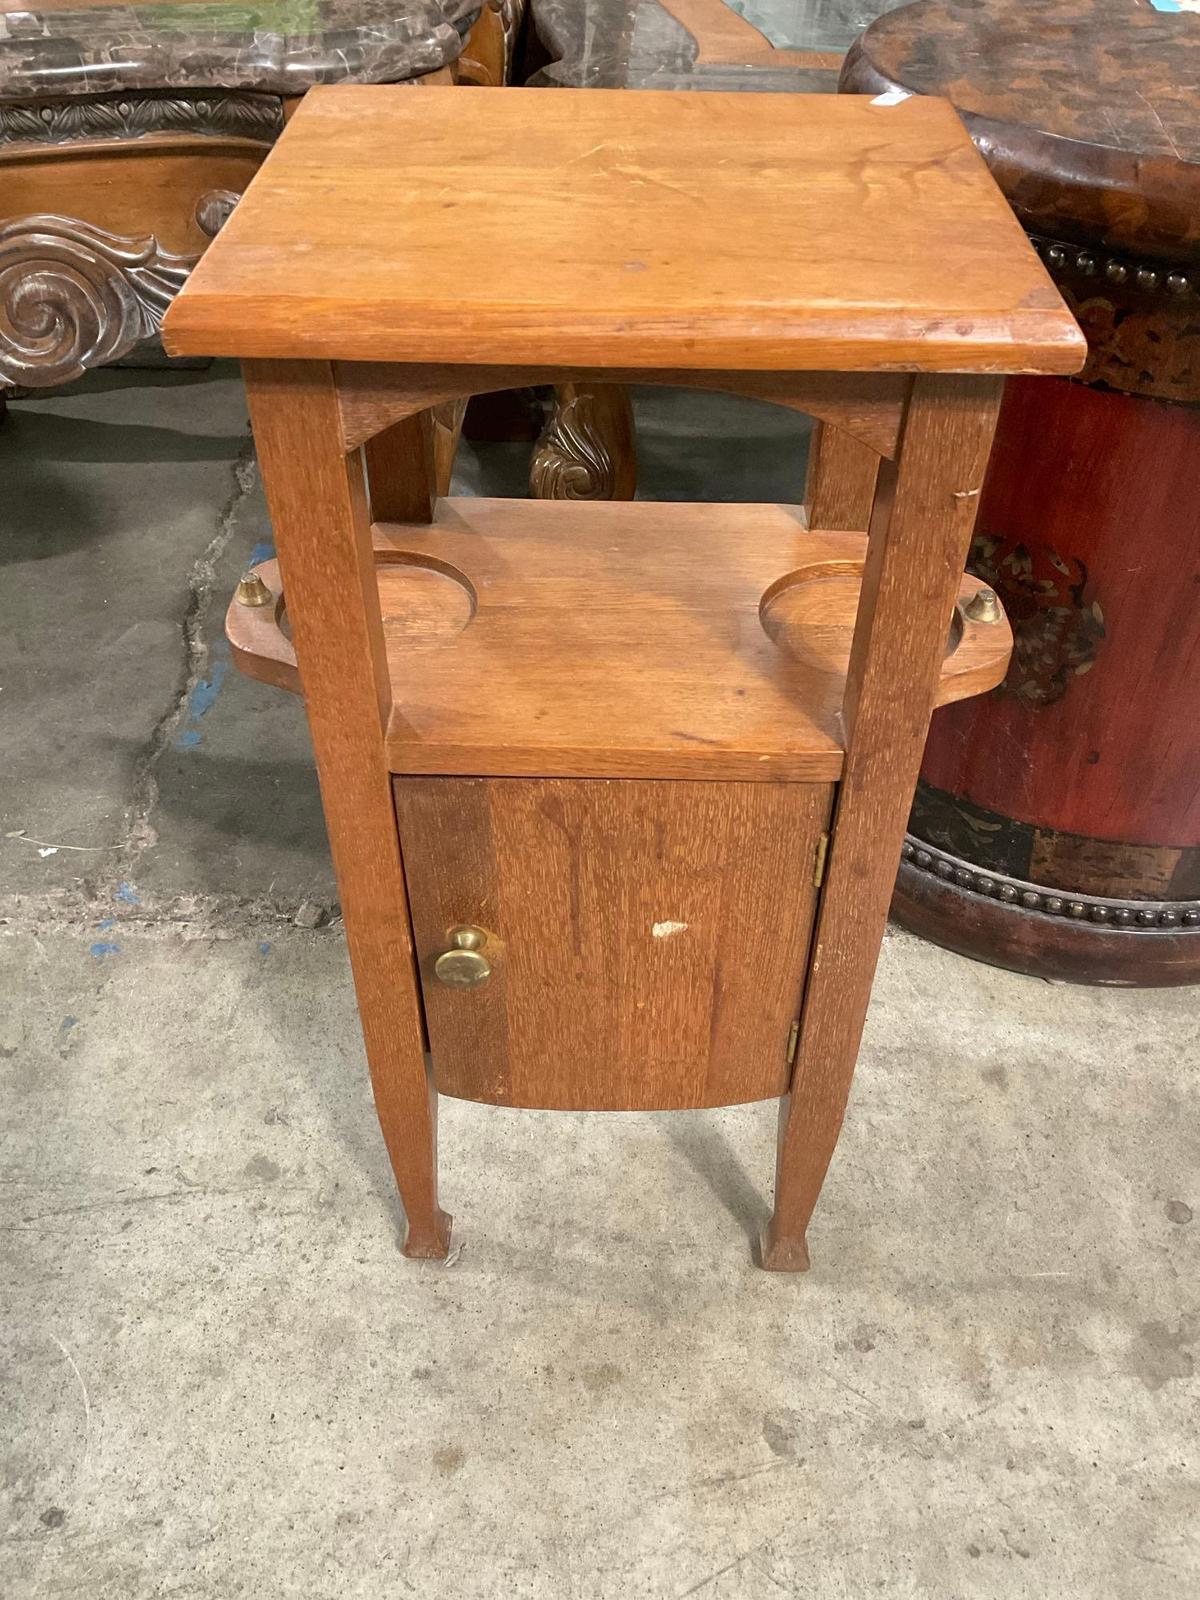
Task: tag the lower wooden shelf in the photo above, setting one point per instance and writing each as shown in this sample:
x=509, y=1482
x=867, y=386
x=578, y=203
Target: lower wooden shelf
x=617, y=639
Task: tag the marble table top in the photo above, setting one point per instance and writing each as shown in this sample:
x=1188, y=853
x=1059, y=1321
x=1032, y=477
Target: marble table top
x=772, y=45
x=59, y=48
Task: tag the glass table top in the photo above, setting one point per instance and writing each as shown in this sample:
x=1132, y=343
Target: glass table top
x=809, y=24
x=784, y=45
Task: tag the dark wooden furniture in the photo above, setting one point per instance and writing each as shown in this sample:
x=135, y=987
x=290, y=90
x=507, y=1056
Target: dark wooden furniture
x=1056, y=827
x=616, y=792
x=128, y=134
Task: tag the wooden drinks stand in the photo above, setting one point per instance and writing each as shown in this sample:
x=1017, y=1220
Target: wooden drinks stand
x=616, y=791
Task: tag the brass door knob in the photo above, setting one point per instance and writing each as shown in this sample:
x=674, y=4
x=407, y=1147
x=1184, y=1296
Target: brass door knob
x=983, y=606
x=464, y=964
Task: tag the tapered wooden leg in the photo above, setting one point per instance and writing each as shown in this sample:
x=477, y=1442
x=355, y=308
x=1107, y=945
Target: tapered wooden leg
x=587, y=450
x=318, y=502
x=841, y=479
x=920, y=529
x=447, y=431
x=401, y=470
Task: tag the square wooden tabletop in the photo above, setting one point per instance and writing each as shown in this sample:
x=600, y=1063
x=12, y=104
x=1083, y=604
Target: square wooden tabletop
x=626, y=229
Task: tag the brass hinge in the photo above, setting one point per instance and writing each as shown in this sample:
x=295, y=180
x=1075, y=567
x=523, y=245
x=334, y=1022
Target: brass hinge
x=819, y=863
x=793, y=1041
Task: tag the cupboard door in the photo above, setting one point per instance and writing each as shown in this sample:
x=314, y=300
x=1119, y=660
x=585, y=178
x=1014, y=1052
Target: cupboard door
x=644, y=943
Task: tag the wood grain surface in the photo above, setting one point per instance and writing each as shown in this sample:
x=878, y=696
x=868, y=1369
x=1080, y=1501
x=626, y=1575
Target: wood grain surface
x=601, y=639
x=648, y=940
x=401, y=470
x=866, y=405
x=134, y=187
x=842, y=472
x=426, y=602
x=761, y=232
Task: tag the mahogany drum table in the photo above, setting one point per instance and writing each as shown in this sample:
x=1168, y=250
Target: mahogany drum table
x=1056, y=827
x=616, y=791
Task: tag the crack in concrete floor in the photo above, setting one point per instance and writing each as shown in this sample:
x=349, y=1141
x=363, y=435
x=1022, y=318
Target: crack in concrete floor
x=140, y=833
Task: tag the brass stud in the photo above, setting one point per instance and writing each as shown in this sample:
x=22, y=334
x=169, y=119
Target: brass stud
x=1116, y=272
x=1177, y=283
x=252, y=591
x=1147, y=278
x=983, y=606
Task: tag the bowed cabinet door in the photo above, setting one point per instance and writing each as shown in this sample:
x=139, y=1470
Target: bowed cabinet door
x=611, y=944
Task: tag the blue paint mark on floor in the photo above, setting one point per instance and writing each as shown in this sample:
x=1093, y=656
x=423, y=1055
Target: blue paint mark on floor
x=67, y=1024
x=106, y=924
x=127, y=894
x=264, y=949
x=105, y=947
x=200, y=701
x=264, y=550
x=203, y=695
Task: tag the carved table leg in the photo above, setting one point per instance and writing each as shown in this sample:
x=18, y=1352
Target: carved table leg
x=587, y=449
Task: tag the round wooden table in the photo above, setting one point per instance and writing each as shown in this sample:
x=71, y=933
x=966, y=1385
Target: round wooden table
x=1057, y=824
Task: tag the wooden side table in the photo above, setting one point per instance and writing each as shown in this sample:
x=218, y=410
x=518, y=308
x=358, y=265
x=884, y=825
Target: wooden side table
x=616, y=792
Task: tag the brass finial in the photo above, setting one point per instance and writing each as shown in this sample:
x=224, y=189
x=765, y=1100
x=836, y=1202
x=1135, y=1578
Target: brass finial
x=252, y=591
x=983, y=606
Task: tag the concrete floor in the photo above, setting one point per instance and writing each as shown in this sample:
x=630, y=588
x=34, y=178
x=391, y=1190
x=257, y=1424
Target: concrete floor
x=221, y=1379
